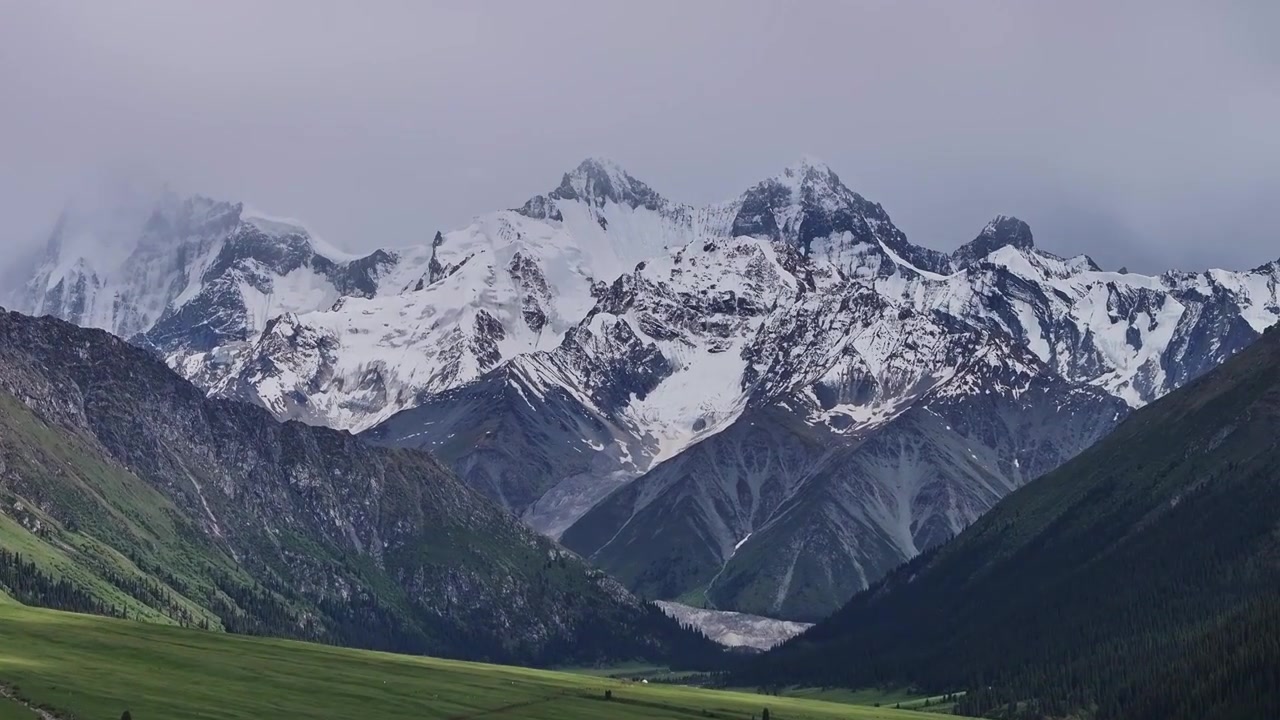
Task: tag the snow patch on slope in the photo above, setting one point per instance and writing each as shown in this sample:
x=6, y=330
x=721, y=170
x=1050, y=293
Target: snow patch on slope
x=734, y=629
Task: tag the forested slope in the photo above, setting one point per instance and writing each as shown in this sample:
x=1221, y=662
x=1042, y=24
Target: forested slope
x=1138, y=581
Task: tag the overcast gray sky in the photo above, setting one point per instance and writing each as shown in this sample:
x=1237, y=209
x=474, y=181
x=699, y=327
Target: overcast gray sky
x=1143, y=133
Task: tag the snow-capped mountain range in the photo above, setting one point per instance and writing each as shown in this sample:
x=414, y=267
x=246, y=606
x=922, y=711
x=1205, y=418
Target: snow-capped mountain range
x=761, y=405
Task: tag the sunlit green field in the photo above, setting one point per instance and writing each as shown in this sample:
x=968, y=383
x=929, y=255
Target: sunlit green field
x=888, y=698
x=93, y=667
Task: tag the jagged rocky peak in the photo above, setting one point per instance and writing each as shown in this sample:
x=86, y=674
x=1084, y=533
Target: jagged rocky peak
x=98, y=233
x=197, y=214
x=807, y=202
x=1003, y=231
x=596, y=182
x=188, y=272
x=813, y=176
x=779, y=207
x=103, y=240
x=807, y=181
x=279, y=244
x=1007, y=230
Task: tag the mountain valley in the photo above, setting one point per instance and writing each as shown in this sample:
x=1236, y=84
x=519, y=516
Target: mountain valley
x=761, y=406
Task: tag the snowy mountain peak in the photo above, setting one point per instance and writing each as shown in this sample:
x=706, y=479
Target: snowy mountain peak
x=176, y=219
x=811, y=169
x=1009, y=230
x=195, y=208
x=191, y=273
x=1003, y=231
x=602, y=166
x=809, y=209
x=273, y=226
x=595, y=182
x=809, y=179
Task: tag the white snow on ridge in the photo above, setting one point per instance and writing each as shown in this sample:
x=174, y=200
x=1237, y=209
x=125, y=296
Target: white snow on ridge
x=704, y=392
x=441, y=335
x=425, y=333
x=1088, y=299
x=104, y=267
x=275, y=225
x=295, y=292
x=510, y=285
x=898, y=260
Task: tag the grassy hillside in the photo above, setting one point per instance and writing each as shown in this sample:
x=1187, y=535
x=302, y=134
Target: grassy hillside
x=124, y=491
x=12, y=710
x=115, y=535
x=94, y=667
x=1124, y=584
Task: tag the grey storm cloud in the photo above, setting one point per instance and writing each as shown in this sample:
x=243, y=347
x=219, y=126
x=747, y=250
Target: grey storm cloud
x=1142, y=133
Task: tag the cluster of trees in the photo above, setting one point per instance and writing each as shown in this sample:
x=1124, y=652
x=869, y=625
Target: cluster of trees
x=32, y=586
x=24, y=580
x=252, y=609
x=153, y=594
x=273, y=609
x=1230, y=671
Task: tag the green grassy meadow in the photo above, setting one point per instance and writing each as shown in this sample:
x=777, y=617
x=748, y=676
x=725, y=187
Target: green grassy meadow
x=93, y=667
x=12, y=710
x=887, y=698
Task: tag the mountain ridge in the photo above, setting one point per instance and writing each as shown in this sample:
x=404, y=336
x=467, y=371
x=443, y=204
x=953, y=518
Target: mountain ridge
x=126, y=480
x=557, y=353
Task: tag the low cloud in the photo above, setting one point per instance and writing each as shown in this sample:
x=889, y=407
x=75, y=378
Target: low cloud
x=1141, y=133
